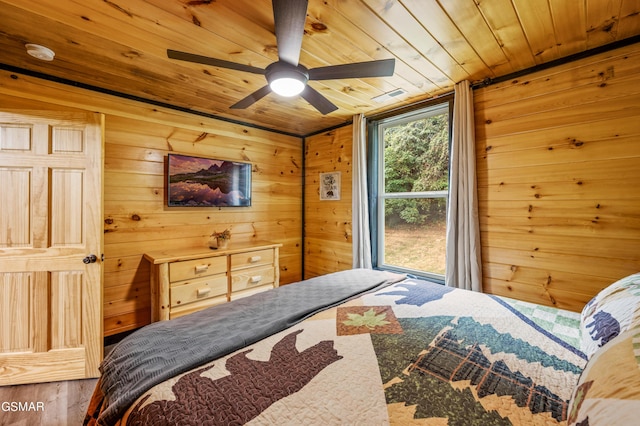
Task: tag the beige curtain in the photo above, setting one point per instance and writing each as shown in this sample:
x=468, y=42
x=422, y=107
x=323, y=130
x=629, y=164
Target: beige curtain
x=361, y=239
x=463, y=264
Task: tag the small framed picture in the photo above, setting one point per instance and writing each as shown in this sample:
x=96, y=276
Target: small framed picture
x=330, y=186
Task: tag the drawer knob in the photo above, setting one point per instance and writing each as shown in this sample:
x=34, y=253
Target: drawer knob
x=255, y=279
x=203, y=292
x=201, y=268
x=254, y=259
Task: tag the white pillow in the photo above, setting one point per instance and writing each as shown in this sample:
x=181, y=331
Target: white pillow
x=608, y=391
x=611, y=312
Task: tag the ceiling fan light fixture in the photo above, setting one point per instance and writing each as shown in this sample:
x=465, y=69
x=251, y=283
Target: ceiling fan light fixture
x=286, y=79
x=287, y=86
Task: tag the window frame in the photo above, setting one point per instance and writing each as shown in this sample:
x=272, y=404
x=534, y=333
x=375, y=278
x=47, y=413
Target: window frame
x=377, y=194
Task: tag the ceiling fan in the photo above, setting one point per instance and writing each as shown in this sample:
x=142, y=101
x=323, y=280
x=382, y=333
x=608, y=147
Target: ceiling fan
x=287, y=77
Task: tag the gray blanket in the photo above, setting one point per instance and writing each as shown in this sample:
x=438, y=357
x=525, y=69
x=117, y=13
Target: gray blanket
x=164, y=349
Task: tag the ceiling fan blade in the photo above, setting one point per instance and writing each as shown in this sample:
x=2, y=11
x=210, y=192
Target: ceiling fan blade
x=190, y=57
x=290, y=17
x=381, y=68
x=318, y=101
x=252, y=98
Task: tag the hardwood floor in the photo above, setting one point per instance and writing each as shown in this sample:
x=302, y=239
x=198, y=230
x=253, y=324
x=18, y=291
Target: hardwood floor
x=54, y=404
x=61, y=403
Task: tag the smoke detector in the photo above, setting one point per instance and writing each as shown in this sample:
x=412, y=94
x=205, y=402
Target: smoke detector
x=40, y=52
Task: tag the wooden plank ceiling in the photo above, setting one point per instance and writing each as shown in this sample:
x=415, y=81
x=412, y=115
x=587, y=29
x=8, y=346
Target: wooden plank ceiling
x=121, y=46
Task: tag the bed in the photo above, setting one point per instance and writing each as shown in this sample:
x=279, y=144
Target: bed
x=370, y=347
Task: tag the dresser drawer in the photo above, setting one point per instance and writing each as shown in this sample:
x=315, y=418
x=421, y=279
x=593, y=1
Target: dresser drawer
x=189, y=269
x=200, y=289
x=189, y=308
x=251, y=258
x=250, y=278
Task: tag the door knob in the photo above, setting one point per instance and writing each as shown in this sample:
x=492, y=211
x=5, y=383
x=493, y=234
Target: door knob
x=90, y=259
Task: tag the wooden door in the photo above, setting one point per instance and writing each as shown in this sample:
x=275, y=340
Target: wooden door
x=50, y=221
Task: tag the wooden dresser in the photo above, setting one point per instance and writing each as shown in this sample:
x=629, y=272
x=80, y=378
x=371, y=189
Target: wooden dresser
x=188, y=280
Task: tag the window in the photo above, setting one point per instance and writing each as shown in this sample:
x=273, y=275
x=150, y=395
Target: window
x=410, y=187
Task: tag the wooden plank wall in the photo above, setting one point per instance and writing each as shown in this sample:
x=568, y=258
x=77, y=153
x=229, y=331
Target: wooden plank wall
x=137, y=218
x=327, y=223
x=559, y=179
x=137, y=139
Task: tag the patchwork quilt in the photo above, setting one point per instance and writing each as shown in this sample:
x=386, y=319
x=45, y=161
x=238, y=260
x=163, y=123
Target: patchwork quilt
x=410, y=353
